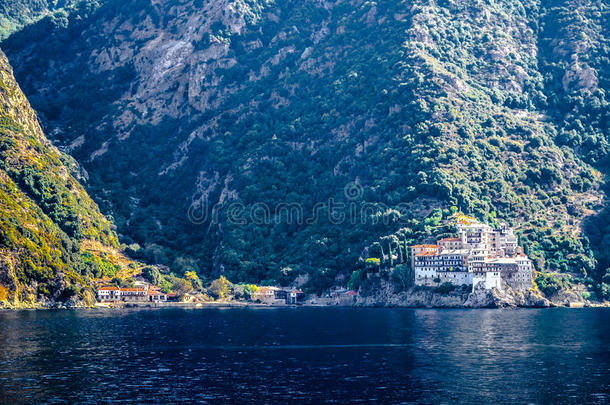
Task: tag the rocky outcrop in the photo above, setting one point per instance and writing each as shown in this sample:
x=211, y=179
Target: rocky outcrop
x=383, y=294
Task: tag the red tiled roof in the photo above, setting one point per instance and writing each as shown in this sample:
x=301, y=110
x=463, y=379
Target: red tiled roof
x=155, y=292
x=108, y=288
x=351, y=293
x=426, y=254
x=133, y=289
x=450, y=240
x=426, y=246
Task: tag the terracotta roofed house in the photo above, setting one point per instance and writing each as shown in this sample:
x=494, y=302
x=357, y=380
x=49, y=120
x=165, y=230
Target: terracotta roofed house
x=417, y=249
x=108, y=294
x=136, y=294
x=265, y=294
x=156, y=296
x=295, y=296
x=451, y=243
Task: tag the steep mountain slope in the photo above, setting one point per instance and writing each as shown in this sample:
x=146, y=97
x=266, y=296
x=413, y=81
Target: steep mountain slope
x=187, y=114
x=45, y=212
x=575, y=60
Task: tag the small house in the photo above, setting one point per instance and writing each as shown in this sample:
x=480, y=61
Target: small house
x=108, y=294
x=265, y=294
x=156, y=296
x=295, y=296
x=136, y=294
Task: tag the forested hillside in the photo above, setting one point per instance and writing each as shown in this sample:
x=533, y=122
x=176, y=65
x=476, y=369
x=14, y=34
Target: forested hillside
x=403, y=111
x=45, y=214
x=15, y=14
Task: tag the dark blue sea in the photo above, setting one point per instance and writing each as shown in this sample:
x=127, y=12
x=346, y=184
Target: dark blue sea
x=306, y=355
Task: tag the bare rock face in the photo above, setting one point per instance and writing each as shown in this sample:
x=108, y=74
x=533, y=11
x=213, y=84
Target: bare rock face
x=567, y=298
x=578, y=77
x=506, y=298
x=382, y=293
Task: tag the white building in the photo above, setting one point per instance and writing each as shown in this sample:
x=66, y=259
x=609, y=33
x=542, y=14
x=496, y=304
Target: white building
x=434, y=267
x=486, y=279
x=417, y=249
x=265, y=294
x=108, y=294
x=455, y=277
x=136, y=294
x=479, y=255
x=517, y=272
x=426, y=266
x=156, y=296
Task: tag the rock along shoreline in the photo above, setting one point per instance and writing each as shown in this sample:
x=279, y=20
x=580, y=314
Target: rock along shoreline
x=380, y=298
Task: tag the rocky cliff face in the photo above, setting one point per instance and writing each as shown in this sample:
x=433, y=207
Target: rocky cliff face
x=44, y=211
x=178, y=109
x=384, y=293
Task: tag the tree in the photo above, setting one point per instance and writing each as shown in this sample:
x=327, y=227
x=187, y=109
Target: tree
x=194, y=279
x=445, y=288
x=401, y=257
x=402, y=276
x=152, y=274
x=184, y=264
x=380, y=250
x=221, y=288
x=405, y=244
x=391, y=241
x=250, y=290
x=373, y=262
x=355, y=279
x=181, y=287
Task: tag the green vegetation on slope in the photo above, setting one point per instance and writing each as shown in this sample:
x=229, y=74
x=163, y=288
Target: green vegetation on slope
x=574, y=58
x=15, y=14
x=45, y=212
x=424, y=105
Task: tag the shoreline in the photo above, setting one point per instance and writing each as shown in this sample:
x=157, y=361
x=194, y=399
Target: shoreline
x=237, y=304
x=381, y=295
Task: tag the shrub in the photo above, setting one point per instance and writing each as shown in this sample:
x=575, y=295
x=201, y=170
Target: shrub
x=549, y=283
x=68, y=292
x=402, y=276
x=152, y=274
x=194, y=279
x=514, y=146
x=181, y=287
x=605, y=291
x=221, y=288
x=355, y=279
x=445, y=288
x=249, y=290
